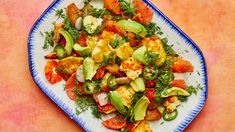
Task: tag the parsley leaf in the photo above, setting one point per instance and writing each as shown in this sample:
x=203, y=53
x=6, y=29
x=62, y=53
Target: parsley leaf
x=153, y=29
x=83, y=103
x=99, y=13
x=169, y=50
x=127, y=8
x=194, y=90
x=117, y=42
x=108, y=59
x=95, y=112
x=183, y=98
x=167, y=64
x=136, y=97
x=166, y=77
x=71, y=29
x=48, y=39
x=60, y=14
x=151, y=57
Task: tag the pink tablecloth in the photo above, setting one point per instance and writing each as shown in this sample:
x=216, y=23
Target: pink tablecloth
x=23, y=107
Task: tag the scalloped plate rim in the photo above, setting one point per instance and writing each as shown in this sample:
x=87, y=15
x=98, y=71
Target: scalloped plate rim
x=184, y=36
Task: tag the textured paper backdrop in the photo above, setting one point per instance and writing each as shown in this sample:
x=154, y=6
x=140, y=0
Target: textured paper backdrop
x=23, y=107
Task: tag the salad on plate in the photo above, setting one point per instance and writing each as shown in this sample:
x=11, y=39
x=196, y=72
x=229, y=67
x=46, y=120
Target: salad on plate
x=114, y=61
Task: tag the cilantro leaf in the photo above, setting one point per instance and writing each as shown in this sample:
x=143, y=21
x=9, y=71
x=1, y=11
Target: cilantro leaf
x=60, y=14
x=71, y=29
x=95, y=112
x=48, y=39
x=99, y=13
x=153, y=29
x=117, y=42
x=127, y=8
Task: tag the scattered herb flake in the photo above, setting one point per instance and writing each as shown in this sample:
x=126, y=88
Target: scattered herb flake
x=162, y=123
x=198, y=73
x=41, y=33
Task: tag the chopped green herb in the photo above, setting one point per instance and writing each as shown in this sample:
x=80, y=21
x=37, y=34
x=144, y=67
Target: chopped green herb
x=99, y=13
x=127, y=8
x=164, y=40
x=78, y=111
x=167, y=64
x=136, y=97
x=198, y=73
x=153, y=29
x=48, y=39
x=151, y=57
x=186, y=51
x=168, y=48
x=166, y=77
x=158, y=99
x=41, y=33
x=83, y=103
x=60, y=14
x=183, y=98
x=117, y=42
x=117, y=18
x=194, y=90
x=162, y=123
x=71, y=29
x=108, y=59
x=76, y=87
x=95, y=112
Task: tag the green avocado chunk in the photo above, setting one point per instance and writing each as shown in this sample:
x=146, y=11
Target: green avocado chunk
x=116, y=101
x=89, y=68
x=140, y=108
x=82, y=51
x=174, y=91
x=69, y=41
x=60, y=52
x=133, y=26
x=140, y=55
x=138, y=85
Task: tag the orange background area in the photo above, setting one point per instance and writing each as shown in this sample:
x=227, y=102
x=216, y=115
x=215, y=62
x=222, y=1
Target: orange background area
x=23, y=107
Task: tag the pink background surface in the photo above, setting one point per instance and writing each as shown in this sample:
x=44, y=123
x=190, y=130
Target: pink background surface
x=23, y=107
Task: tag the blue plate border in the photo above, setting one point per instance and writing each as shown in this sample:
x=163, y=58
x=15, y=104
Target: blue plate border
x=78, y=120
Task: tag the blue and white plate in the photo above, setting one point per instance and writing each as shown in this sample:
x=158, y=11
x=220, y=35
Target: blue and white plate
x=182, y=44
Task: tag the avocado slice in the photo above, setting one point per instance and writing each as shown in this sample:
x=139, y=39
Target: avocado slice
x=82, y=51
x=140, y=55
x=140, y=108
x=138, y=85
x=116, y=101
x=174, y=91
x=69, y=41
x=133, y=26
x=89, y=68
